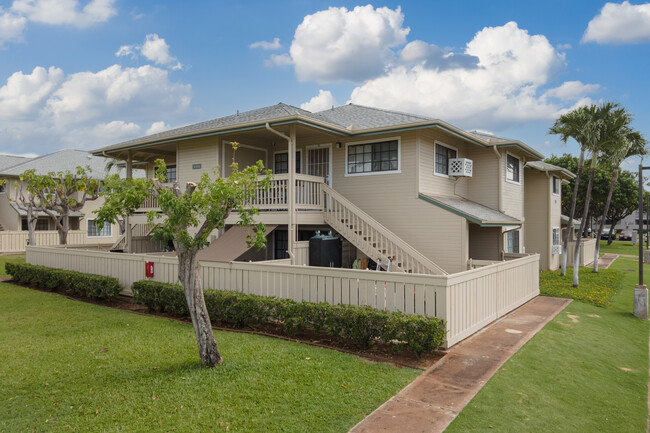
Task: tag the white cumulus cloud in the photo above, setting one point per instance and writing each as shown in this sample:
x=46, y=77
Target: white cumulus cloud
x=157, y=127
x=65, y=12
x=12, y=27
x=266, y=45
x=47, y=109
x=154, y=49
x=622, y=23
x=504, y=86
x=338, y=44
x=320, y=102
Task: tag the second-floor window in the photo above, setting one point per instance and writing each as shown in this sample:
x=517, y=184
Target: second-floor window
x=171, y=173
x=442, y=157
x=512, y=168
x=373, y=157
x=556, y=185
x=281, y=163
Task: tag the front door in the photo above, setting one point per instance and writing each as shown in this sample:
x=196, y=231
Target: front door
x=319, y=162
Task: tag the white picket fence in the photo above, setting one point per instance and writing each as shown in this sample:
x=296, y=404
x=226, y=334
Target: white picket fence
x=467, y=301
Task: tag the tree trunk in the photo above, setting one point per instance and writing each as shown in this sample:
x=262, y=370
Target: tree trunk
x=610, y=239
x=576, y=255
x=63, y=228
x=31, y=226
x=612, y=185
x=574, y=198
x=190, y=277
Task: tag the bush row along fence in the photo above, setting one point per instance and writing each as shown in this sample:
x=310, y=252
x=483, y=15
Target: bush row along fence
x=467, y=301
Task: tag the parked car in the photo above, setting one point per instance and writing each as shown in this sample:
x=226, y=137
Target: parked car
x=625, y=235
x=605, y=234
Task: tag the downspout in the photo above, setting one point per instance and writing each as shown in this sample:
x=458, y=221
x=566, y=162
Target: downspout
x=291, y=183
x=549, y=224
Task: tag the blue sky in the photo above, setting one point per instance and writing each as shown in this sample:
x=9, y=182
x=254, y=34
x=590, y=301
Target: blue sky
x=83, y=74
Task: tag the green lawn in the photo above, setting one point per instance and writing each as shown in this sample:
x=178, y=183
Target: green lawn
x=619, y=247
x=71, y=366
x=586, y=371
x=10, y=258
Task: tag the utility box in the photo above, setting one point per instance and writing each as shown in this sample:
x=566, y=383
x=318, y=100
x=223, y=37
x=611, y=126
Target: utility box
x=325, y=251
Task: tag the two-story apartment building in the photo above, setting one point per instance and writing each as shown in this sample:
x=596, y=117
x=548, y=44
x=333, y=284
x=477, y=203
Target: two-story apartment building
x=13, y=219
x=432, y=197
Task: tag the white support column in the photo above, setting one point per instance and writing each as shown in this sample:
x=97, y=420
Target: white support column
x=291, y=192
x=127, y=223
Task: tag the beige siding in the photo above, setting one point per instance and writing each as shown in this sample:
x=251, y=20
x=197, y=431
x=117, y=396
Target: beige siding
x=483, y=186
x=512, y=194
x=484, y=242
x=245, y=156
x=392, y=200
x=8, y=216
x=89, y=213
x=202, y=151
x=555, y=221
x=537, y=230
x=431, y=183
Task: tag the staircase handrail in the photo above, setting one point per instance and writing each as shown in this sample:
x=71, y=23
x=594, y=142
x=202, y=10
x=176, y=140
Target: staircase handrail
x=392, y=237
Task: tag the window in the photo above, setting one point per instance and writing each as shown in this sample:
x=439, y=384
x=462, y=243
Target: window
x=41, y=224
x=281, y=163
x=556, y=236
x=512, y=168
x=512, y=242
x=93, y=231
x=373, y=157
x=556, y=185
x=171, y=174
x=3, y=186
x=442, y=157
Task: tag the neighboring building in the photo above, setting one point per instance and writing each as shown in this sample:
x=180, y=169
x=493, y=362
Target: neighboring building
x=435, y=198
x=13, y=219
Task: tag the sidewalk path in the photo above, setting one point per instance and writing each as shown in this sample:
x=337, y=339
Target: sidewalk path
x=606, y=260
x=434, y=399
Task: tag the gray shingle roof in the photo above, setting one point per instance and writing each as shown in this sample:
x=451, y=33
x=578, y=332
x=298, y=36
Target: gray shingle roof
x=474, y=212
x=362, y=117
x=64, y=160
x=546, y=167
x=7, y=161
x=490, y=138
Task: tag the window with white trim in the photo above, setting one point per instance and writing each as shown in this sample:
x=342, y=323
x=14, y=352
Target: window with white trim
x=556, y=185
x=512, y=168
x=94, y=232
x=171, y=173
x=373, y=157
x=556, y=236
x=281, y=162
x=512, y=242
x=442, y=156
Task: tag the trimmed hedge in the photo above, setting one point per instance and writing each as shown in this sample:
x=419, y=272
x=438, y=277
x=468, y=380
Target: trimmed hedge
x=361, y=325
x=58, y=280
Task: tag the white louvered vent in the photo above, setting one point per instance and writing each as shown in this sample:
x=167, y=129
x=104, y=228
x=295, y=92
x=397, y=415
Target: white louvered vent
x=557, y=249
x=460, y=167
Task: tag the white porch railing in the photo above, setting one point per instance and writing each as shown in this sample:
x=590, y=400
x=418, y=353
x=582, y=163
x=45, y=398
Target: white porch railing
x=467, y=300
x=308, y=193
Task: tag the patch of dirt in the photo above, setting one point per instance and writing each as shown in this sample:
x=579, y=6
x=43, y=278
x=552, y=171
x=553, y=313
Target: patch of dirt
x=573, y=318
x=378, y=353
x=626, y=369
x=594, y=316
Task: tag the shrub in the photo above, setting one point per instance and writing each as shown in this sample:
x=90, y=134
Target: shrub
x=361, y=325
x=88, y=285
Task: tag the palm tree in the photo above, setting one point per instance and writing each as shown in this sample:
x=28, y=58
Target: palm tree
x=576, y=124
x=624, y=143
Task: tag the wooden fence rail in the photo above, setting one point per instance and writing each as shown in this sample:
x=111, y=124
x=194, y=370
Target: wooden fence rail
x=467, y=300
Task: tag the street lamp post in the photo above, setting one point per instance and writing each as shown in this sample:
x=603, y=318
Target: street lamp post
x=641, y=290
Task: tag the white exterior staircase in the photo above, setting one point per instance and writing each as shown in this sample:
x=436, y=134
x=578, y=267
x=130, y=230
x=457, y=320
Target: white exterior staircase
x=372, y=238
x=137, y=230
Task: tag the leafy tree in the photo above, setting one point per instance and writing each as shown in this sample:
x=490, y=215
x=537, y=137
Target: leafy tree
x=58, y=194
x=31, y=205
x=190, y=215
x=623, y=142
x=580, y=125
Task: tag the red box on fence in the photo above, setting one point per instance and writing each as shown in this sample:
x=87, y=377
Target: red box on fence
x=148, y=269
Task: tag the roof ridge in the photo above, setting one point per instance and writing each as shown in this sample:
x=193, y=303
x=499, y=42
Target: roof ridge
x=385, y=110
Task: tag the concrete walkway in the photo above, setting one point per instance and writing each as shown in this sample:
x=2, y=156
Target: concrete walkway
x=606, y=260
x=434, y=399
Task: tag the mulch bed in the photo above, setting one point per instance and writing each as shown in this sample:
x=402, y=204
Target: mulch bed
x=378, y=353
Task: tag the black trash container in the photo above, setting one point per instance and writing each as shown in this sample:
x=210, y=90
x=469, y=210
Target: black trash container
x=325, y=251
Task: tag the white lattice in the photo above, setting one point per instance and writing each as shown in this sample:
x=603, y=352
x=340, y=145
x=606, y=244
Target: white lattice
x=460, y=167
x=557, y=249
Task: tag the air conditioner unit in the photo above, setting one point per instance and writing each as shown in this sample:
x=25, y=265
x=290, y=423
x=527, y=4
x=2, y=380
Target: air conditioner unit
x=460, y=167
x=557, y=249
